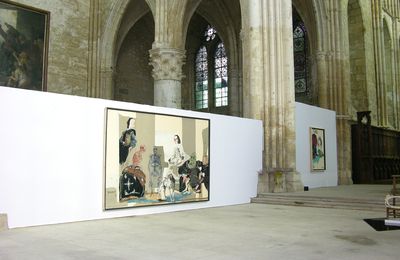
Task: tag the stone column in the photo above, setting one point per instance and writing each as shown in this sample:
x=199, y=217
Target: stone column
x=167, y=54
x=93, y=86
x=167, y=73
x=377, y=27
x=269, y=89
x=337, y=88
x=396, y=85
x=321, y=78
x=107, y=83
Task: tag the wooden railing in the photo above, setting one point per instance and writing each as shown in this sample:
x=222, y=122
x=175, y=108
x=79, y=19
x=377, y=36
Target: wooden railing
x=375, y=151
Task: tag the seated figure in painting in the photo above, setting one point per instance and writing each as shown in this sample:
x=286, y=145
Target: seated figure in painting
x=194, y=175
x=131, y=183
x=179, y=157
x=167, y=188
x=178, y=160
x=189, y=175
x=138, y=157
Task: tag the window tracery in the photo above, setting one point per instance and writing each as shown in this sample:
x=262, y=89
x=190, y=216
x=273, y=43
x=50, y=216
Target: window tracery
x=300, y=55
x=211, y=69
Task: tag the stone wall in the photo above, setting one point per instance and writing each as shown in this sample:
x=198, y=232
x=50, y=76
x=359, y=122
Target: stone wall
x=68, y=44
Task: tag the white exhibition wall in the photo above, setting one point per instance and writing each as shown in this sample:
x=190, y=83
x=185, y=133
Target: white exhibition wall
x=307, y=117
x=52, y=158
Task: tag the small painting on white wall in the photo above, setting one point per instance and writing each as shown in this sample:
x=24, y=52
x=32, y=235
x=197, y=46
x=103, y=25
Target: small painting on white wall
x=318, y=156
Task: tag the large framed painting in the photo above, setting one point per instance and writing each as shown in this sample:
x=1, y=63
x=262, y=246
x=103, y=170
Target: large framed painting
x=318, y=155
x=155, y=159
x=23, y=46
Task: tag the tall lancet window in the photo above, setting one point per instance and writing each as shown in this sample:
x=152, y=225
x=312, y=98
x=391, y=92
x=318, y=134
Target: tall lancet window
x=201, y=79
x=221, y=76
x=211, y=68
x=300, y=55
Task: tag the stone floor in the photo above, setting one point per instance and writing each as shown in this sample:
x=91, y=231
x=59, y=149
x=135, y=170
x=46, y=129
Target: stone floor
x=248, y=231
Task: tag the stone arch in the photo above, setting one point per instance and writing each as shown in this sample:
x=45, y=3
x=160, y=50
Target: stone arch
x=307, y=11
x=319, y=47
x=107, y=43
x=133, y=75
x=224, y=16
x=178, y=14
x=313, y=14
x=115, y=29
x=304, y=11
x=189, y=11
x=132, y=14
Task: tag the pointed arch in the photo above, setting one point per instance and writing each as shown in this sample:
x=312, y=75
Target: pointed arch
x=225, y=17
x=111, y=40
x=135, y=37
x=303, y=89
x=308, y=14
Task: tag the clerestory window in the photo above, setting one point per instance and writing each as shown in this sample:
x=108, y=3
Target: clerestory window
x=201, y=78
x=300, y=55
x=211, y=68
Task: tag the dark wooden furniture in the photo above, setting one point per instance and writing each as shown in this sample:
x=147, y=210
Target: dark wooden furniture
x=375, y=152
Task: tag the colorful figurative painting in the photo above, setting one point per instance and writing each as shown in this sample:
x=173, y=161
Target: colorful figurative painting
x=155, y=159
x=23, y=46
x=318, y=156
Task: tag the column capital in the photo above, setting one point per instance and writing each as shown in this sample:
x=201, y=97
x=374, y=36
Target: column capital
x=167, y=63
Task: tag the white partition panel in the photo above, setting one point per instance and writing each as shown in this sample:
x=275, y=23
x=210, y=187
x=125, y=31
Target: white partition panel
x=310, y=116
x=52, y=158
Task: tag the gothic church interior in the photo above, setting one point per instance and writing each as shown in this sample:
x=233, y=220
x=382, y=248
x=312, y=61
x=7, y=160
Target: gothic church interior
x=248, y=58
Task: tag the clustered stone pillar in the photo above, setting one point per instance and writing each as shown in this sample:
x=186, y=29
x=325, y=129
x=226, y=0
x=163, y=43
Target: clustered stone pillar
x=338, y=92
x=167, y=73
x=93, y=89
x=106, y=83
x=167, y=55
x=377, y=26
x=268, y=89
x=396, y=28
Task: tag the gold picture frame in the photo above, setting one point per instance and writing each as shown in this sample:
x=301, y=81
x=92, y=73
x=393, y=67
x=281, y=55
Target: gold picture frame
x=24, y=34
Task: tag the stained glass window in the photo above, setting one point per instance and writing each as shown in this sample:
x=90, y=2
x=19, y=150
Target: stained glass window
x=221, y=76
x=210, y=33
x=211, y=89
x=300, y=54
x=201, y=90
